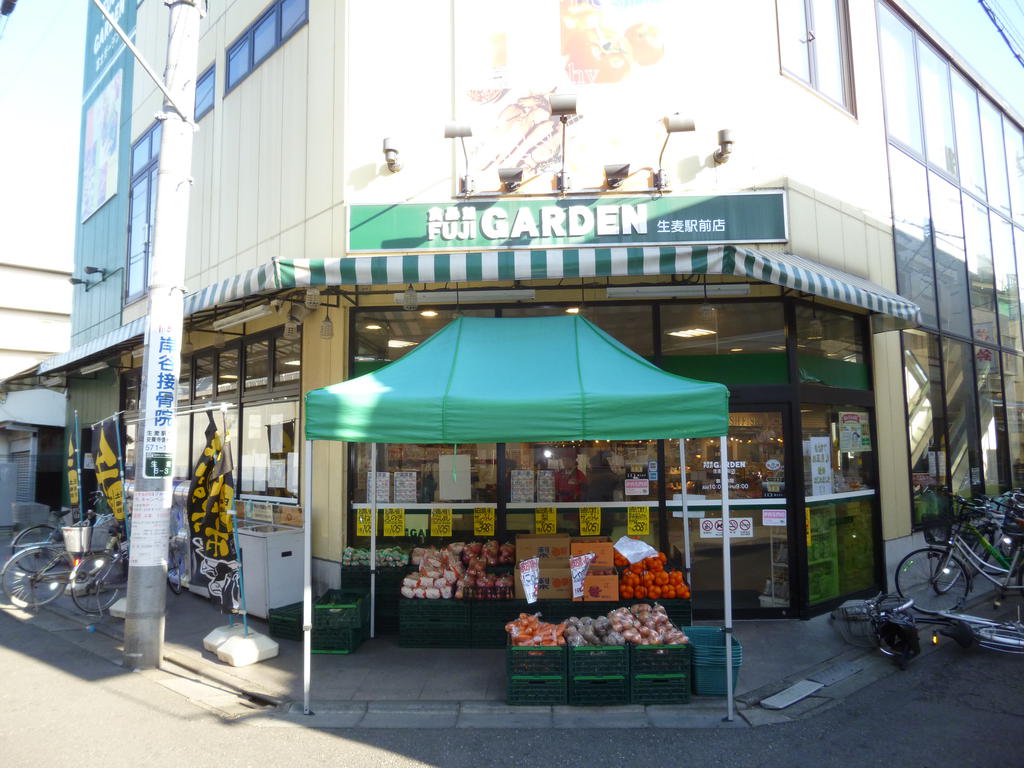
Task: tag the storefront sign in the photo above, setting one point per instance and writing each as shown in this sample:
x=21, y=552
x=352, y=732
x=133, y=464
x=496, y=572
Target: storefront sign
x=590, y=521
x=164, y=363
x=545, y=520
x=488, y=224
x=440, y=522
x=363, y=524
x=638, y=521
x=853, y=432
x=483, y=521
x=637, y=484
x=773, y=517
x=739, y=528
x=652, y=470
x=394, y=522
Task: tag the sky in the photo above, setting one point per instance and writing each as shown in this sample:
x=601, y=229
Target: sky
x=42, y=48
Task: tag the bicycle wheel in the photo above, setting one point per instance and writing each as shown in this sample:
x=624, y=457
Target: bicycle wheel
x=175, y=570
x=35, y=576
x=30, y=537
x=1006, y=638
x=935, y=579
x=97, y=583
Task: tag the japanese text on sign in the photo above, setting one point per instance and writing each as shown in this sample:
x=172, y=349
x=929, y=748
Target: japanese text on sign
x=739, y=528
x=440, y=522
x=394, y=522
x=544, y=520
x=638, y=521
x=590, y=521
x=149, y=529
x=363, y=526
x=483, y=521
x=160, y=386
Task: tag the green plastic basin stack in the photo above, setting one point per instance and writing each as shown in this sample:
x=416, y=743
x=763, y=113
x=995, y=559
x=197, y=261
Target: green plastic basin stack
x=536, y=675
x=708, y=661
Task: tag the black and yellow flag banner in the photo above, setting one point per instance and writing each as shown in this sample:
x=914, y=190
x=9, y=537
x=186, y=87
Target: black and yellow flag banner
x=106, y=448
x=72, y=467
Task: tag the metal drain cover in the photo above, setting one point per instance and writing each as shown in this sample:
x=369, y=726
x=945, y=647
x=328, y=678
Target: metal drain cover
x=834, y=674
x=793, y=694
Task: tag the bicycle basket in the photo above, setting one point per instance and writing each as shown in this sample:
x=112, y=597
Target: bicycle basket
x=77, y=539
x=937, y=529
x=853, y=619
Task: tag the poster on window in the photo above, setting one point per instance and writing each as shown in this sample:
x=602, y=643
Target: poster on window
x=853, y=432
x=818, y=449
x=100, y=149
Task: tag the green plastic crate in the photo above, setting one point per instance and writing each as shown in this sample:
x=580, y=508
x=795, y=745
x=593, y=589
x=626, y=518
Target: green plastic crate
x=598, y=690
x=285, y=622
x=660, y=689
x=421, y=611
x=659, y=659
x=598, y=660
x=536, y=690
x=708, y=660
x=340, y=627
x=488, y=619
x=535, y=660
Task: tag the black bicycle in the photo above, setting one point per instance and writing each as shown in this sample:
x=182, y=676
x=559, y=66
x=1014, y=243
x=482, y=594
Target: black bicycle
x=884, y=622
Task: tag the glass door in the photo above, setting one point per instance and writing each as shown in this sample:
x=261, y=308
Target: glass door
x=760, y=479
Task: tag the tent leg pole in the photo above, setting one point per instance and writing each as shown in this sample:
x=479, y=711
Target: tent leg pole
x=307, y=573
x=686, y=515
x=373, y=540
x=727, y=577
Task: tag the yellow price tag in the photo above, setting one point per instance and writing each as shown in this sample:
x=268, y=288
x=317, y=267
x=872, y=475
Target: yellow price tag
x=638, y=521
x=590, y=521
x=483, y=521
x=363, y=527
x=807, y=525
x=440, y=522
x=545, y=520
x=394, y=522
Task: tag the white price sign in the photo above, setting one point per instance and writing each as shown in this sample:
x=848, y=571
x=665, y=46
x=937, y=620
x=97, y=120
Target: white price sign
x=739, y=528
x=150, y=529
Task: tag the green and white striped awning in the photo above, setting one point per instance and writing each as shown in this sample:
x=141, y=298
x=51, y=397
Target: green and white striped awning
x=785, y=269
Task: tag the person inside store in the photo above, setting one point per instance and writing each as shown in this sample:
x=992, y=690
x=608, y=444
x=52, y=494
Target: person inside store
x=601, y=481
x=570, y=484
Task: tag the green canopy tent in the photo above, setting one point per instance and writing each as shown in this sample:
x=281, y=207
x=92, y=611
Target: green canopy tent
x=489, y=380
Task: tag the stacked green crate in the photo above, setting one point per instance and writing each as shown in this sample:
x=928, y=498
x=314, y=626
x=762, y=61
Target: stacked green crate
x=659, y=674
x=536, y=674
x=434, y=623
x=341, y=621
x=708, y=660
x=387, y=592
x=488, y=619
x=598, y=675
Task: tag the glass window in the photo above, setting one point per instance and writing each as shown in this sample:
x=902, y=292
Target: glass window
x=139, y=225
x=204, y=366
x=1013, y=379
x=914, y=272
x=733, y=343
x=830, y=348
x=130, y=391
x=227, y=424
x=264, y=37
x=287, y=361
x=1015, y=161
x=382, y=337
x=995, y=157
x=961, y=415
x=182, y=469
x=900, y=80
x=205, y=92
x=431, y=474
x=837, y=445
x=979, y=270
x=1007, y=288
x=270, y=459
x=227, y=372
x=926, y=415
x=257, y=365
x=968, y=136
x=992, y=419
x=185, y=381
x=140, y=154
x=938, y=114
x=950, y=271
x=629, y=325
x=813, y=45
x=238, y=61
x=756, y=456
x=293, y=13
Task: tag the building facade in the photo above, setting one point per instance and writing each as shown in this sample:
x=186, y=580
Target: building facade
x=365, y=172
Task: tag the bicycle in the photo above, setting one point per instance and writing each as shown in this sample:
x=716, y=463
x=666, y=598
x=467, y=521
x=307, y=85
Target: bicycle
x=939, y=577
x=991, y=634
x=49, y=533
x=39, y=575
x=99, y=579
x=177, y=551
x=883, y=622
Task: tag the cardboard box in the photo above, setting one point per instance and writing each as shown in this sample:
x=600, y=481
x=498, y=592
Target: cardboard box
x=542, y=545
x=554, y=580
x=290, y=516
x=602, y=547
x=601, y=586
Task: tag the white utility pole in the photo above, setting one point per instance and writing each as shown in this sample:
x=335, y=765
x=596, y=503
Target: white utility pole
x=147, y=570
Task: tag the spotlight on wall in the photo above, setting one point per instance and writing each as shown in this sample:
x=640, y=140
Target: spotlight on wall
x=391, y=155
x=76, y=281
x=95, y=271
x=616, y=174
x=511, y=178
x=725, y=142
x=460, y=131
x=563, y=105
x=673, y=124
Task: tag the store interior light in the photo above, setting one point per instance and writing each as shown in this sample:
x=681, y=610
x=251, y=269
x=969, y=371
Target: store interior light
x=736, y=349
x=245, y=316
x=676, y=291
x=815, y=330
x=373, y=326
x=691, y=333
x=572, y=310
x=455, y=297
x=400, y=343
x=428, y=313
x=293, y=362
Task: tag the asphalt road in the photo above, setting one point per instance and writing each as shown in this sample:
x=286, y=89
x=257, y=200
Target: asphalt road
x=61, y=705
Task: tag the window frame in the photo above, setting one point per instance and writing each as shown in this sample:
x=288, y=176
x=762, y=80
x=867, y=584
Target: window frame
x=248, y=38
x=210, y=73
x=146, y=174
x=848, y=102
